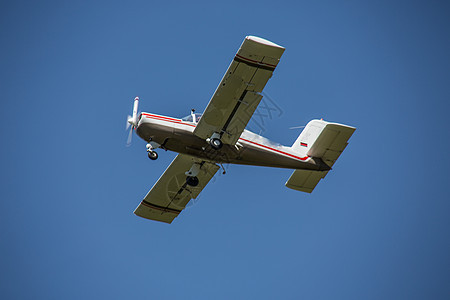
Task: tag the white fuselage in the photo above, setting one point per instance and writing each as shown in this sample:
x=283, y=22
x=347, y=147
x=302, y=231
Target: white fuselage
x=251, y=149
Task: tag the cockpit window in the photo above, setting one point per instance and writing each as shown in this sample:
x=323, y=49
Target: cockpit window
x=189, y=118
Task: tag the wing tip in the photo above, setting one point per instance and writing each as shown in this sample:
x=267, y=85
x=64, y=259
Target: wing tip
x=262, y=41
x=148, y=213
x=160, y=220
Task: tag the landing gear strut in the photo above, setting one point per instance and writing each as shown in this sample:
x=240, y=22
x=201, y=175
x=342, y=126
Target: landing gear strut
x=192, y=178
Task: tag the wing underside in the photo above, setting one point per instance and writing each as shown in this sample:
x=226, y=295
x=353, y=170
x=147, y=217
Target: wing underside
x=238, y=94
x=170, y=194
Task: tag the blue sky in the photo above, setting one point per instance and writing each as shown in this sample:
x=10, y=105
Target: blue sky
x=376, y=228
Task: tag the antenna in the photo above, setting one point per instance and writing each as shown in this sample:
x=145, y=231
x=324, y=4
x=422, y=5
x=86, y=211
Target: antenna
x=194, y=119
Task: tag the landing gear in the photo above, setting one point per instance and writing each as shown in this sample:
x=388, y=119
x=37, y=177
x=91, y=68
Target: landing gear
x=191, y=175
x=215, y=141
x=192, y=180
x=152, y=155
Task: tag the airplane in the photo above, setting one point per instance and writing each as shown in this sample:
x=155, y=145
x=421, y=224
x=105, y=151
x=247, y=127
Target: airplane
x=219, y=136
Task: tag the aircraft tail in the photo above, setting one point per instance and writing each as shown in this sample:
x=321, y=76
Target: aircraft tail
x=319, y=139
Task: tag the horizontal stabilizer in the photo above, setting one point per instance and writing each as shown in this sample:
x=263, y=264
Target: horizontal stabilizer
x=305, y=180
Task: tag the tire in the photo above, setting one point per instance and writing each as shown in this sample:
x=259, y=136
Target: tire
x=216, y=143
x=152, y=155
x=192, y=180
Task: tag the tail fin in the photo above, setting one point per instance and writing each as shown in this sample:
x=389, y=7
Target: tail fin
x=319, y=139
x=323, y=140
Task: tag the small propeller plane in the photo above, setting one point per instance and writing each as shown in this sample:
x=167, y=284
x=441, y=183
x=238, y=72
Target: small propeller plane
x=218, y=136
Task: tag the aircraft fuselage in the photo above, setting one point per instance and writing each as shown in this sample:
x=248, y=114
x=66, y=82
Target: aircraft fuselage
x=252, y=149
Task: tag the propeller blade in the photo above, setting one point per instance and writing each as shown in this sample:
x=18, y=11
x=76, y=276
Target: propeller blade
x=128, y=123
x=132, y=120
x=130, y=135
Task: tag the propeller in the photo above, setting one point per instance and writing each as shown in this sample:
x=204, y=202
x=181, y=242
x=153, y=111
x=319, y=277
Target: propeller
x=132, y=121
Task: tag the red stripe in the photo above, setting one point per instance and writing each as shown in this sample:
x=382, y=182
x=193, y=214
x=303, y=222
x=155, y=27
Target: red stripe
x=255, y=61
x=161, y=117
x=276, y=150
x=171, y=120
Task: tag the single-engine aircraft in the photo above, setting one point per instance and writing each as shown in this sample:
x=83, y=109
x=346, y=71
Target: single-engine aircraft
x=218, y=136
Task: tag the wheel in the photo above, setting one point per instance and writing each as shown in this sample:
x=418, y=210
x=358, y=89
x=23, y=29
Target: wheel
x=216, y=143
x=192, y=180
x=152, y=155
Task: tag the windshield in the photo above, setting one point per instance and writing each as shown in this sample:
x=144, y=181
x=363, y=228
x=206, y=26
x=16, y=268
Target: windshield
x=189, y=118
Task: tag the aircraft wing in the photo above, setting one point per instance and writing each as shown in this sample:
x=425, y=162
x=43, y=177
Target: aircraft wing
x=238, y=94
x=170, y=194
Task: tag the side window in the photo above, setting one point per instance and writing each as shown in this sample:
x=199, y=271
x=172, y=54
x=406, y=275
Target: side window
x=187, y=118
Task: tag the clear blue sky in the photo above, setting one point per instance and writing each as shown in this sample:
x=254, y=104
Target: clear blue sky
x=378, y=227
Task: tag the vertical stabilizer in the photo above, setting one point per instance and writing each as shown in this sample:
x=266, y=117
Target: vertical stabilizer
x=308, y=136
x=322, y=139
